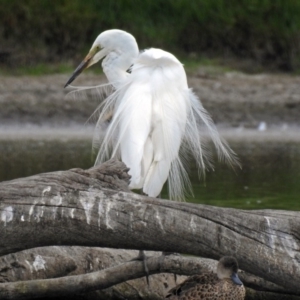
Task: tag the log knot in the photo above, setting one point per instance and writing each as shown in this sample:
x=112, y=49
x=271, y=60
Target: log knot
x=112, y=174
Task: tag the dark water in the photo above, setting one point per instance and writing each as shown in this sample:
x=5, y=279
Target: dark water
x=270, y=177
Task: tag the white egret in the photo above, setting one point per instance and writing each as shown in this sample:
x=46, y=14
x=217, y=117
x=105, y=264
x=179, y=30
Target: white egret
x=156, y=120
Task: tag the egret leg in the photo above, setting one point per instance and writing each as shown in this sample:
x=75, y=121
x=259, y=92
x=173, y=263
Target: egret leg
x=163, y=255
x=142, y=257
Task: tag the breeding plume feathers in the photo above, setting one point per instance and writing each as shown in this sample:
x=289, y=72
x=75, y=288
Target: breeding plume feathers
x=156, y=125
x=151, y=120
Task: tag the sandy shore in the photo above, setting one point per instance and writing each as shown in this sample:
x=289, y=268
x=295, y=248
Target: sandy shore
x=234, y=100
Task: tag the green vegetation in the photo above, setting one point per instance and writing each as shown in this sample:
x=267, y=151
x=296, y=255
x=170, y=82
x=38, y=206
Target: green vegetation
x=39, y=32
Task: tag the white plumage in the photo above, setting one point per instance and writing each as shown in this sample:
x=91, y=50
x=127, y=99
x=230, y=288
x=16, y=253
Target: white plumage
x=157, y=122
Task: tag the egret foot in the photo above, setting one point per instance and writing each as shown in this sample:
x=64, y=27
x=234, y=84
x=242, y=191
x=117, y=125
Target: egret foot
x=163, y=255
x=142, y=257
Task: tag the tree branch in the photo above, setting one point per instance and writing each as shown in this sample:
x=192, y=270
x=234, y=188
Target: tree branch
x=65, y=286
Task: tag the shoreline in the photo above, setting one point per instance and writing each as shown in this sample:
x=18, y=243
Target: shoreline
x=234, y=100
x=77, y=132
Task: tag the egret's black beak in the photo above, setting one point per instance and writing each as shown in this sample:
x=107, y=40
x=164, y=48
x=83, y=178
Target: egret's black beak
x=78, y=70
x=88, y=61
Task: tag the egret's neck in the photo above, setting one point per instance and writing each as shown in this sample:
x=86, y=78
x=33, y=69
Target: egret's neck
x=115, y=66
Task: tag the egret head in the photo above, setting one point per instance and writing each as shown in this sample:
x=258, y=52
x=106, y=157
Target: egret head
x=114, y=40
x=228, y=268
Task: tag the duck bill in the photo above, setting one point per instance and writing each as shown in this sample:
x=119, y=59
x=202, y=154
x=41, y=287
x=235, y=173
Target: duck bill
x=235, y=278
x=88, y=61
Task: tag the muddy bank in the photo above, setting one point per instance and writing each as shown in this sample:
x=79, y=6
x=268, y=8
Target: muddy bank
x=233, y=99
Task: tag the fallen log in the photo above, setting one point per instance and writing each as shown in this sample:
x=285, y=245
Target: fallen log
x=70, y=285
x=95, y=208
x=84, y=269
x=59, y=261
x=32, y=265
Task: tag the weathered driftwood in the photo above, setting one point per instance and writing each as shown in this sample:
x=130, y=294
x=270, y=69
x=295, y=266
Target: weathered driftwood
x=49, y=262
x=59, y=261
x=94, y=208
x=64, y=286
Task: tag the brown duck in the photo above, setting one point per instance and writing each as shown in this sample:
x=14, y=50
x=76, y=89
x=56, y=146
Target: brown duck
x=225, y=285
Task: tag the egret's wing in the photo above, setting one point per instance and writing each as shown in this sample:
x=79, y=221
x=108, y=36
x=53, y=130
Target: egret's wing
x=171, y=107
x=166, y=80
x=129, y=128
x=134, y=114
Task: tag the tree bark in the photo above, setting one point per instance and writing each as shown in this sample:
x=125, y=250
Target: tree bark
x=95, y=208
x=44, y=262
x=63, y=286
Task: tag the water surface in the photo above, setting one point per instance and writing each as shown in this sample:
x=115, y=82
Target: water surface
x=269, y=178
